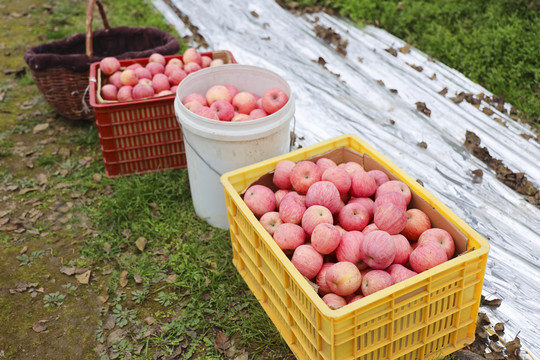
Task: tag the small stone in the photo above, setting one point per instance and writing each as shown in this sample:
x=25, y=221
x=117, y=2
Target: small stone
x=39, y=128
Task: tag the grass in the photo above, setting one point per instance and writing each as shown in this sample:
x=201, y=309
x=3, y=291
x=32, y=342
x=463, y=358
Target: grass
x=494, y=43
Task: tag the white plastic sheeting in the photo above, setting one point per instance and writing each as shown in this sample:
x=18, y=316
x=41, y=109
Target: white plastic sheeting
x=355, y=102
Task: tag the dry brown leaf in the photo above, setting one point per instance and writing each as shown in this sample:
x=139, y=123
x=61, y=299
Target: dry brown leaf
x=141, y=243
x=405, y=49
x=67, y=270
x=40, y=127
x=222, y=342
x=171, y=278
x=84, y=278
x=39, y=326
x=123, y=278
x=137, y=278
x=103, y=299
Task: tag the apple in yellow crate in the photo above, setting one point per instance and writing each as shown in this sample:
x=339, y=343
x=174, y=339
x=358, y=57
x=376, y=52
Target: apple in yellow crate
x=343, y=278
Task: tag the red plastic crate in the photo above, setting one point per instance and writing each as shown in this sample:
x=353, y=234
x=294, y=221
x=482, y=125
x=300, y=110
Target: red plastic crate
x=140, y=136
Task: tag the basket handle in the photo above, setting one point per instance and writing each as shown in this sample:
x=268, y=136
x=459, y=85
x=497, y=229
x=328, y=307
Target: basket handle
x=89, y=18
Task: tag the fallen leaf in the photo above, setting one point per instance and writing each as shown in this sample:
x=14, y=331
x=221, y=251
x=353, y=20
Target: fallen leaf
x=84, y=278
x=123, y=278
x=405, y=49
x=243, y=356
x=97, y=177
x=23, y=250
x=171, y=278
x=39, y=326
x=222, y=341
x=141, y=243
x=40, y=127
x=103, y=299
x=137, y=278
x=41, y=179
x=67, y=270
x=492, y=303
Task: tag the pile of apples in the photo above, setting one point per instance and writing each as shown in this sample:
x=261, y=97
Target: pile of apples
x=351, y=232
x=158, y=78
x=225, y=102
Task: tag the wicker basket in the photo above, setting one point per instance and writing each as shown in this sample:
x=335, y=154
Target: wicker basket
x=61, y=68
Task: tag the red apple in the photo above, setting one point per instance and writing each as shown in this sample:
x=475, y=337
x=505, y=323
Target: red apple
x=141, y=91
x=362, y=184
x=376, y=280
x=321, y=279
x=270, y=221
x=427, y=255
x=192, y=55
x=325, y=238
x=315, y=215
x=274, y=99
x=128, y=77
x=260, y=199
x=350, y=247
x=110, y=92
x=369, y=228
x=441, y=236
x=292, y=208
x=343, y=278
x=351, y=167
x=379, y=176
x=160, y=82
x=244, y=102
x=324, y=193
x=280, y=194
x=157, y=57
x=109, y=65
x=155, y=68
x=217, y=92
x=282, y=174
x=143, y=73
x=307, y=261
x=325, y=163
x=397, y=186
x=367, y=202
x=390, y=218
x=378, y=249
x=403, y=249
x=353, y=217
x=353, y=297
x=400, y=273
x=334, y=301
x=115, y=79
x=338, y=176
x=392, y=197
x=289, y=236
x=304, y=174
x=223, y=109
x=417, y=223
x=195, y=97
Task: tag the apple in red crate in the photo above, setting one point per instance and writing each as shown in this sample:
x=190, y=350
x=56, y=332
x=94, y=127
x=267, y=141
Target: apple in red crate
x=307, y=261
x=109, y=65
x=417, y=223
x=289, y=236
x=353, y=217
x=397, y=186
x=141, y=91
x=115, y=79
x=128, y=77
x=400, y=273
x=125, y=93
x=304, y=174
x=143, y=73
x=427, y=255
x=315, y=215
x=191, y=55
x=324, y=193
x=338, y=176
x=155, y=68
x=274, y=99
x=260, y=199
x=334, y=301
x=270, y=221
x=158, y=58
x=160, y=82
x=176, y=76
x=441, y=236
x=376, y=280
x=343, y=278
x=109, y=92
x=378, y=249
x=216, y=62
x=350, y=247
x=390, y=217
x=191, y=67
x=292, y=208
x=325, y=238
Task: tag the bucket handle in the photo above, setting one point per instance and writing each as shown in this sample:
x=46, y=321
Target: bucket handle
x=291, y=143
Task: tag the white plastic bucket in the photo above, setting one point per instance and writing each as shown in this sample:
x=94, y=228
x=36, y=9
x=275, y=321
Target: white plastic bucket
x=215, y=147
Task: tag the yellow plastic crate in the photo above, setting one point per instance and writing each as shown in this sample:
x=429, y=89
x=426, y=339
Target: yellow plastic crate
x=425, y=317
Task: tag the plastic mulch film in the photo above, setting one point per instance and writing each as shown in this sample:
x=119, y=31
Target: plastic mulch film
x=416, y=111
